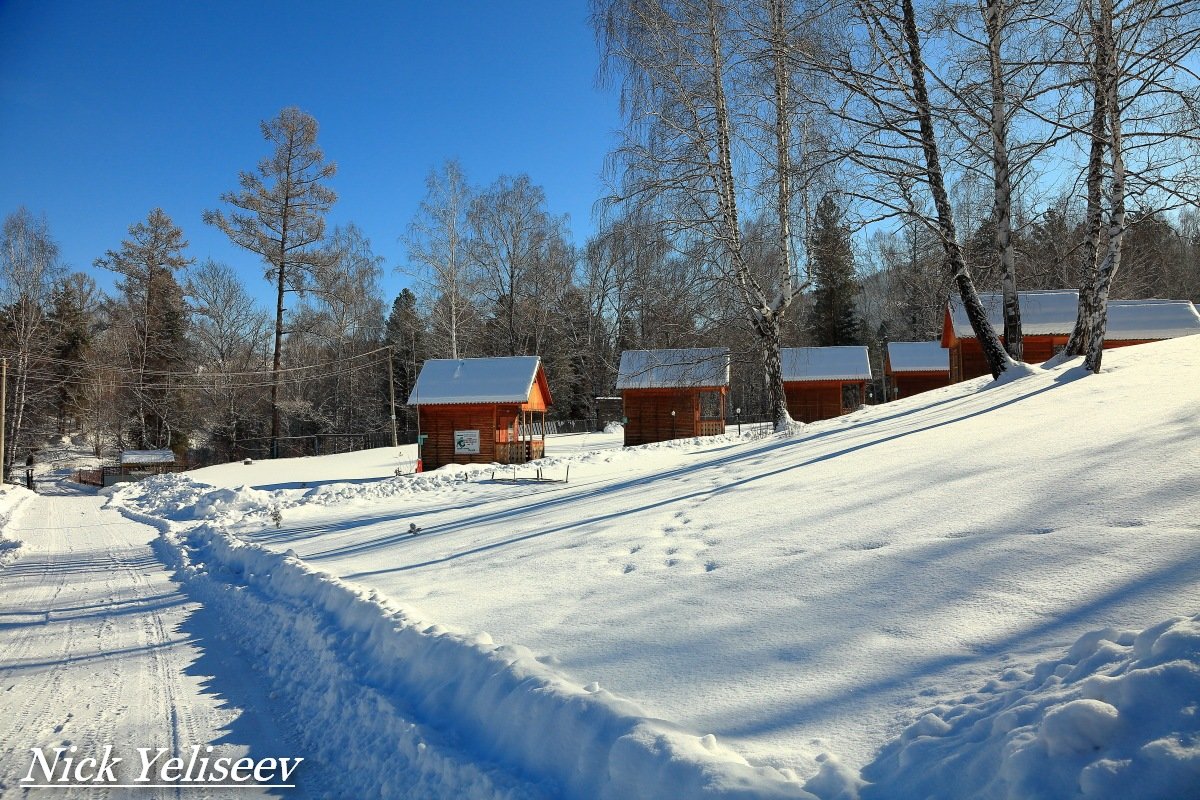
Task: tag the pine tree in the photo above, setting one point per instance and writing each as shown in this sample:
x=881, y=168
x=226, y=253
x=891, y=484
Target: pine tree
x=406, y=333
x=834, y=319
x=156, y=318
x=280, y=215
x=72, y=319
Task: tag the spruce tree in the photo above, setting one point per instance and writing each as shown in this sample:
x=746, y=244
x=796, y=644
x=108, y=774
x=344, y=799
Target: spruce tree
x=406, y=334
x=834, y=318
x=157, y=318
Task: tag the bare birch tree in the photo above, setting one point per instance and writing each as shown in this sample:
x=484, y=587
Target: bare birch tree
x=690, y=137
x=437, y=241
x=29, y=267
x=893, y=139
x=1143, y=107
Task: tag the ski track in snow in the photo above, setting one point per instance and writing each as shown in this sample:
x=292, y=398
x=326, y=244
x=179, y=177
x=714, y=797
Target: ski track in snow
x=98, y=646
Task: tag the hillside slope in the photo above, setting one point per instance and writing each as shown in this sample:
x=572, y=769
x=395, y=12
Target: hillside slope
x=793, y=595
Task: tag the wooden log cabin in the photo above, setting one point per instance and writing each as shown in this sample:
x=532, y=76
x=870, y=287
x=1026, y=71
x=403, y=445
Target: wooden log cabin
x=1047, y=318
x=914, y=367
x=481, y=410
x=824, y=382
x=673, y=394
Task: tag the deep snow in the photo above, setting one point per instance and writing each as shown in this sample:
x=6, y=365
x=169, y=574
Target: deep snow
x=793, y=595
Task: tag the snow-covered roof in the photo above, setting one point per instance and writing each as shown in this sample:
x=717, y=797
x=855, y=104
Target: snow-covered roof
x=673, y=369
x=918, y=357
x=445, y=381
x=147, y=457
x=1053, y=313
x=825, y=363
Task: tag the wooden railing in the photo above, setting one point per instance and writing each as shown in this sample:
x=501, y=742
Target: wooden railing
x=105, y=476
x=519, y=452
x=712, y=427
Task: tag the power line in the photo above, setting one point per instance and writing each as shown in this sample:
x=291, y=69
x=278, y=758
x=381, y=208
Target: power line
x=180, y=373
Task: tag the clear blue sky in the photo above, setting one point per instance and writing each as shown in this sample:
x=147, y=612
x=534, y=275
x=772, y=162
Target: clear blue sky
x=108, y=109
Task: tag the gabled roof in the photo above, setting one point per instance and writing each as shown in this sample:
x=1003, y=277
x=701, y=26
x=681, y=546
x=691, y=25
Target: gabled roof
x=825, y=363
x=687, y=368
x=147, y=457
x=918, y=357
x=1053, y=313
x=446, y=381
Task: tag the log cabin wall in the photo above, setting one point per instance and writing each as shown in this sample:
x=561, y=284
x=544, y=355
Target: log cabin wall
x=439, y=423
x=648, y=412
x=906, y=384
x=810, y=401
x=967, y=361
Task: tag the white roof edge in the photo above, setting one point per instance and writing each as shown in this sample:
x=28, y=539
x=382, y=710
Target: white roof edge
x=674, y=368
x=838, y=363
x=467, y=381
x=917, y=357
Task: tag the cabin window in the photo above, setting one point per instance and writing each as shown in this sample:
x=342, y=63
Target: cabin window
x=710, y=405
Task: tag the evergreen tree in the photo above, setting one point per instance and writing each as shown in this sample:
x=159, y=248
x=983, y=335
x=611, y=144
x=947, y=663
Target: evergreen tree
x=155, y=319
x=72, y=318
x=279, y=214
x=407, y=334
x=834, y=317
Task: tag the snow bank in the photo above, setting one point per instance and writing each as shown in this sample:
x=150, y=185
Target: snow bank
x=182, y=497
x=361, y=670
x=11, y=498
x=1119, y=716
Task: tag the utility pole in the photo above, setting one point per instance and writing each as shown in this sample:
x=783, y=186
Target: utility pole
x=3, y=419
x=392, y=396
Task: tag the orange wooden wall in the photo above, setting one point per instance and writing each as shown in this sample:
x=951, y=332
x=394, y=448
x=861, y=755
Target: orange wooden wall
x=809, y=401
x=906, y=384
x=649, y=415
x=967, y=361
x=440, y=422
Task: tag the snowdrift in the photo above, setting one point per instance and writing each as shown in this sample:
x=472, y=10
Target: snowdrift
x=795, y=594
x=1118, y=717
x=360, y=671
x=11, y=499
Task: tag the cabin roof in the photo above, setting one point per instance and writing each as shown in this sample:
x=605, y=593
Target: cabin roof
x=685, y=368
x=447, y=381
x=918, y=357
x=146, y=457
x=825, y=363
x=1053, y=313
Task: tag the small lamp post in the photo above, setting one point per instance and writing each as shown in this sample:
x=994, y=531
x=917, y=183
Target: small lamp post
x=738, y=412
x=672, y=423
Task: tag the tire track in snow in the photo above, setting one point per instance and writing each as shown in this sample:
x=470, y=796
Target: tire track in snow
x=94, y=651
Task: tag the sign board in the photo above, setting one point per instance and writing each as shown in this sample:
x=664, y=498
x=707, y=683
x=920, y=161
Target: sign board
x=466, y=443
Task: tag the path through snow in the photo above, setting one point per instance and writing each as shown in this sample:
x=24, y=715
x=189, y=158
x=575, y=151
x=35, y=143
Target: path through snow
x=98, y=646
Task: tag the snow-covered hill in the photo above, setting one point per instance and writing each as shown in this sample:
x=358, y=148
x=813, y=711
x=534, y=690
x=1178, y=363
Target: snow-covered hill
x=794, y=596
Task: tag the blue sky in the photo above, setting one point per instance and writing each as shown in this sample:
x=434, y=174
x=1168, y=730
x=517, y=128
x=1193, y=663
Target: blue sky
x=108, y=109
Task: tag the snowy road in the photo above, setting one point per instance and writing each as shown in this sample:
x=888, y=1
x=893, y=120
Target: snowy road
x=98, y=646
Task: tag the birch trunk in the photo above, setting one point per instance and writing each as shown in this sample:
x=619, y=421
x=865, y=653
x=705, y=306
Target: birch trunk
x=998, y=360
x=1107, y=269
x=1088, y=302
x=1002, y=178
x=763, y=318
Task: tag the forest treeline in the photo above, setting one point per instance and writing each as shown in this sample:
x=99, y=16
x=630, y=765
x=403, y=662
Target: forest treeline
x=789, y=173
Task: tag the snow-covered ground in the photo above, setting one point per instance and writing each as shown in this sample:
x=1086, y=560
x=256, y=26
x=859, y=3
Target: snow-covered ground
x=872, y=593
x=98, y=646
x=802, y=595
